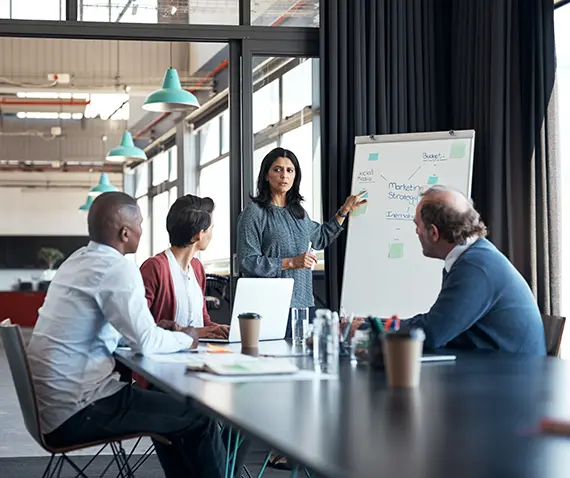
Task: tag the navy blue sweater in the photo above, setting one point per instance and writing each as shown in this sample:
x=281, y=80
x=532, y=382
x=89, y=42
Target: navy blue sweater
x=484, y=303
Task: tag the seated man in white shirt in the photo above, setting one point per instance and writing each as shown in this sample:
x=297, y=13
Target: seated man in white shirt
x=97, y=297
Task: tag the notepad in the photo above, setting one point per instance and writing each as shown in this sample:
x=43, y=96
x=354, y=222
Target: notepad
x=240, y=364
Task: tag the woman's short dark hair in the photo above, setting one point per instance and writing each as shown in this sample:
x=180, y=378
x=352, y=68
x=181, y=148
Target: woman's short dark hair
x=293, y=198
x=187, y=217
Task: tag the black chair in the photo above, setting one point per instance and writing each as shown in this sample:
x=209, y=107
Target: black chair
x=21, y=375
x=553, y=330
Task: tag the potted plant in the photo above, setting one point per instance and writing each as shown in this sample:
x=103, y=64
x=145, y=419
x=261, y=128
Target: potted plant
x=50, y=256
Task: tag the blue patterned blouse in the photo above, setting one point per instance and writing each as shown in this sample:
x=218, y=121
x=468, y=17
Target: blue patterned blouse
x=267, y=236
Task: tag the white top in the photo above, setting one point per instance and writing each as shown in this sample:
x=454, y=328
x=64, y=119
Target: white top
x=188, y=293
x=457, y=251
x=96, y=297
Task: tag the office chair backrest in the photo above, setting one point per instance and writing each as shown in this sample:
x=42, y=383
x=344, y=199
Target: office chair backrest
x=553, y=330
x=22, y=378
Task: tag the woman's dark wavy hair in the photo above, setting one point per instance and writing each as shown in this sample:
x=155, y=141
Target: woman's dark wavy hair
x=187, y=217
x=293, y=198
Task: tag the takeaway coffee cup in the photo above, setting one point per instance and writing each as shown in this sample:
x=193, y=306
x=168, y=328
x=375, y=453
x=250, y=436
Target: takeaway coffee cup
x=402, y=350
x=249, y=324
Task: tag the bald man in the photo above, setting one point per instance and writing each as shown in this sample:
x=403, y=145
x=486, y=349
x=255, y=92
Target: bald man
x=484, y=302
x=97, y=297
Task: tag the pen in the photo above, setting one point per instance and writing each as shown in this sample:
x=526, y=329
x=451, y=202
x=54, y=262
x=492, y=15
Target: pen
x=348, y=325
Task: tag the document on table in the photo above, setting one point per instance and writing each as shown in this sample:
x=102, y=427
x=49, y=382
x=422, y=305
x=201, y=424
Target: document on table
x=180, y=357
x=302, y=375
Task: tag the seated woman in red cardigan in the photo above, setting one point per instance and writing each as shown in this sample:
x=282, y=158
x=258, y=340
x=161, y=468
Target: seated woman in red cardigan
x=175, y=280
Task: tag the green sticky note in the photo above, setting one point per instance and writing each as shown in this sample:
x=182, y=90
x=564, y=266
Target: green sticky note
x=433, y=179
x=396, y=250
x=457, y=150
x=361, y=211
x=373, y=157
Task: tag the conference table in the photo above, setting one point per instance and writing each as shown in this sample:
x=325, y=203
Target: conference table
x=475, y=417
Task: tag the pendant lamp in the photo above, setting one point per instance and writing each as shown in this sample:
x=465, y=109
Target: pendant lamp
x=126, y=151
x=171, y=97
x=104, y=186
x=87, y=205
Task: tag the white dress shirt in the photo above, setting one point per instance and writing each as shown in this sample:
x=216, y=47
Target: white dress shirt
x=457, y=251
x=96, y=297
x=188, y=293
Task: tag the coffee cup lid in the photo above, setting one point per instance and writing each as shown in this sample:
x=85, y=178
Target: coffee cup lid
x=249, y=315
x=414, y=333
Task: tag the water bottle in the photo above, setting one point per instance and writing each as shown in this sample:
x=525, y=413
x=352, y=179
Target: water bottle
x=326, y=342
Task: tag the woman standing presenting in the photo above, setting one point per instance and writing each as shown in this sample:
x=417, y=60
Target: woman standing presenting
x=275, y=232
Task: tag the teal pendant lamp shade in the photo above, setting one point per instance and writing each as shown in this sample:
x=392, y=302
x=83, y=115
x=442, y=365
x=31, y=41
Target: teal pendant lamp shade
x=104, y=186
x=126, y=151
x=87, y=205
x=171, y=97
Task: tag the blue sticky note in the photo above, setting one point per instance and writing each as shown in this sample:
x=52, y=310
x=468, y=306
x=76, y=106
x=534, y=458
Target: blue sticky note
x=365, y=195
x=373, y=157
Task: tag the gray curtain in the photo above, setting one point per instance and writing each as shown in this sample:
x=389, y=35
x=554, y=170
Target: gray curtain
x=427, y=65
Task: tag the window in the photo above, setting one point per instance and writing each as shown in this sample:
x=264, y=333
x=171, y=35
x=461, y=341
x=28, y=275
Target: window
x=283, y=13
x=173, y=196
x=258, y=156
x=562, y=36
x=143, y=251
x=160, y=207
x=225, y=132
x=209, y=140
x=221, y=12
x=160, y=168
x=173, y=152
x=300, y=142
x=141, y=179
x=297, y=88
x=214, y=183
x=33, y=9
x=266, y=106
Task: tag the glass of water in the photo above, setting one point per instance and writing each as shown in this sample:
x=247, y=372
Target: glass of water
x=299, y=325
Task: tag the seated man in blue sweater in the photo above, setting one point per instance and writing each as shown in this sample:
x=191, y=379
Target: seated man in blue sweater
x=484, y=302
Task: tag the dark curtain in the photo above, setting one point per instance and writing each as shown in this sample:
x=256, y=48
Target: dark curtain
x=504, y=62
x=434, y=65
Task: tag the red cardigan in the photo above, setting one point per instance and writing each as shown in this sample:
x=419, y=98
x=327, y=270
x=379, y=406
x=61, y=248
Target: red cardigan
x=159, y=287
x=159, y=291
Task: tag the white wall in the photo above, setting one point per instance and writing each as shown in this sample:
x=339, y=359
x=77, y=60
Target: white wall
x=42, y=212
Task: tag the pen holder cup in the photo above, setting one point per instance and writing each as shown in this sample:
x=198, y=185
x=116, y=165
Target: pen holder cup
x=375, y=355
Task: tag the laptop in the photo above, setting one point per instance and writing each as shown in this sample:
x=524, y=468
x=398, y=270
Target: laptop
x=270, y=298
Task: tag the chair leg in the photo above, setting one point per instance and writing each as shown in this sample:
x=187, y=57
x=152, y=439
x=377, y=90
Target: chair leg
x=47, y=470
x=120, y=458
x=267, y=458
x=144, y=457
x=294, y=471
x=238, y=443
x=70, y=462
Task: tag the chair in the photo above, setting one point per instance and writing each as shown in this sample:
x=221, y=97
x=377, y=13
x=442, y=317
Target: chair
x=553, y=330
x=21, y=375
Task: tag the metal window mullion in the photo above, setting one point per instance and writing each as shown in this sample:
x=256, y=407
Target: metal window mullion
x=70, y=10
x=236, y=156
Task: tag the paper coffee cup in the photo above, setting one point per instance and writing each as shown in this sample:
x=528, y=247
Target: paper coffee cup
x=402, y=350
x=249, y=325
